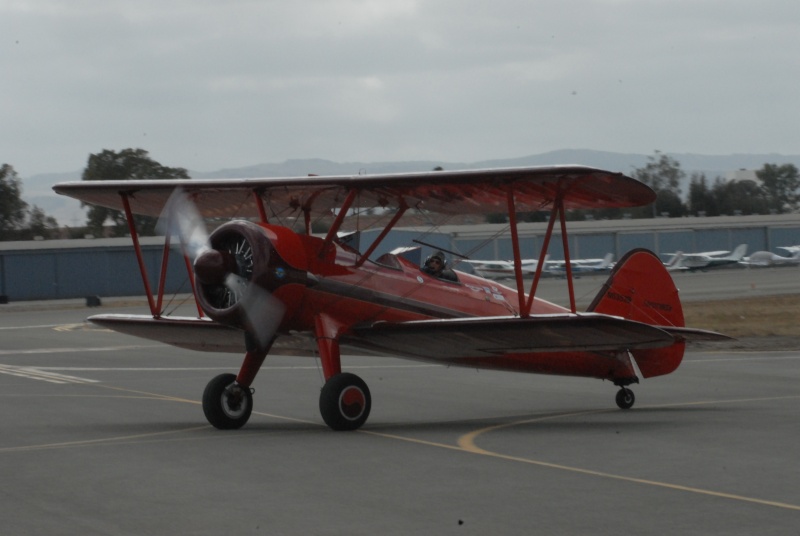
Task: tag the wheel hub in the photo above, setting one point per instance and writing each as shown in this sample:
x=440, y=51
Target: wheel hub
x=352, y=402
x=233, y=401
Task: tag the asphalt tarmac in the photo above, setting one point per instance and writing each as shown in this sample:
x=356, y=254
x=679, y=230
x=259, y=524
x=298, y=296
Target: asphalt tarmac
x=104, y=434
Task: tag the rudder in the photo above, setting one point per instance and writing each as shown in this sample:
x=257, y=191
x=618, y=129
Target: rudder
x=640, y=288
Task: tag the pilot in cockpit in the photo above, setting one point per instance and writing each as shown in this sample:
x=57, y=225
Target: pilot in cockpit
x=436, y=265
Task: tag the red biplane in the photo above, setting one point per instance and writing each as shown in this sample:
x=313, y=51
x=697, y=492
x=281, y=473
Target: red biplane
x=257, y=281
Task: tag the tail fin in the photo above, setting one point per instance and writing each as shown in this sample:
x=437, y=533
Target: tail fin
x=739, y=253
x=676, y=261
x=640, y=288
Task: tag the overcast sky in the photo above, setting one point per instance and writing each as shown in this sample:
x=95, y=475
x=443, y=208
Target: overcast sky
x=209, y=84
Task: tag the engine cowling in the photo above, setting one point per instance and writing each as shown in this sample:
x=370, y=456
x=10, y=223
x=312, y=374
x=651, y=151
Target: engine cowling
x=242, y=258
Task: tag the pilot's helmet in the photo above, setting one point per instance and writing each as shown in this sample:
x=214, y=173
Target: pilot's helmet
x=439, y=256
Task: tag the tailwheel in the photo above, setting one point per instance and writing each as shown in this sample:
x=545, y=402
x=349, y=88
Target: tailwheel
x=625, y=398
x=226, y=404
x=345, y=402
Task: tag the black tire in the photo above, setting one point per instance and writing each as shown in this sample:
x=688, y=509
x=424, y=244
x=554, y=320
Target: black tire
x=625, y=398
x=226, y=404
x=345, y=402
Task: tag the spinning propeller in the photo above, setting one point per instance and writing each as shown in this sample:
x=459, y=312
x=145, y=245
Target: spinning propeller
x=224, y=265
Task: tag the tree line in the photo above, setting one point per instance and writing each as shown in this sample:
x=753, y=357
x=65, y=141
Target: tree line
x=20, y=222
x=775, y=191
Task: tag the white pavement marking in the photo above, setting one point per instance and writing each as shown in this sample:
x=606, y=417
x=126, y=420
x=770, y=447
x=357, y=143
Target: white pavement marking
x=185, y=369
x=34, y=373
x=56, y=326
x=75, y=350
x=48, y=374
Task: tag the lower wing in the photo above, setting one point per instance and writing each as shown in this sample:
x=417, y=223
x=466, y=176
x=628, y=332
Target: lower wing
x=496, y=336
x=435, y=340
x=184, y=332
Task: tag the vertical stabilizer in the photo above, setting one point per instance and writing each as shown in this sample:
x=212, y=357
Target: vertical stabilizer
x=640, y=288
x=739, y=253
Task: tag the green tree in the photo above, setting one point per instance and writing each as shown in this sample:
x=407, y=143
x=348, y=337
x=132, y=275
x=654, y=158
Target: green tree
x=664, y=175
x=128, y=164
x=12, y=207
x=662, y=172
x=738, y=197
x=701, y=199
x=779, y=185
x=40, y=224
x=670, y=203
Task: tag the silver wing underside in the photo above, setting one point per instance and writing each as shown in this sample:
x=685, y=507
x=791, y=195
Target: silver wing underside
x=433, y=340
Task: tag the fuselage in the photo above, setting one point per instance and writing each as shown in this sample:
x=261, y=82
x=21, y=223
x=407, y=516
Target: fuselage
x=391, y=288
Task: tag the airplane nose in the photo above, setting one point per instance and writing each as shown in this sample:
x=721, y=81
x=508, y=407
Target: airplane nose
x=212, y=267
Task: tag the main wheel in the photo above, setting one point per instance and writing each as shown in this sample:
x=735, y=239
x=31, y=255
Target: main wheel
x=345, y=402
x=226, y=404
x=625, y=398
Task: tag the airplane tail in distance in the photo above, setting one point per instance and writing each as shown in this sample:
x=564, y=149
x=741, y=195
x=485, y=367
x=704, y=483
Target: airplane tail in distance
x=675, y=262
x=641, y=289
x=739, y=253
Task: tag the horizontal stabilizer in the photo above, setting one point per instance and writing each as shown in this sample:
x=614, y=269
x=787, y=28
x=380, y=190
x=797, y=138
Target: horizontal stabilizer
x=497, y=336
x=695, y=335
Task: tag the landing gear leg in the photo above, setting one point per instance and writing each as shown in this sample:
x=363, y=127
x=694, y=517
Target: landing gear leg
x=344, y=401
x=623, y=379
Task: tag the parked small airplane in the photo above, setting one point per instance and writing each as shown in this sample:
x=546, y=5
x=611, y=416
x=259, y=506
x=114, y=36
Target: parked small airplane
x=711, y=259
x=258, y=282
x=582, y=266
x=767, y=258
x=675, y=263
x=503, y=269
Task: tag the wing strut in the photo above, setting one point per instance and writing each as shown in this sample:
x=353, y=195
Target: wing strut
x=162, y=280
x=192, y=282
x=375, y=243
x=512, y=220
x=262, y=212
x=540, y=264
x=565, y=242
x=155, y=302
x=337, y=223
x=556, y=212
x=139, y=258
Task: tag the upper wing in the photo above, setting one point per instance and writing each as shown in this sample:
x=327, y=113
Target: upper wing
x=446, y=192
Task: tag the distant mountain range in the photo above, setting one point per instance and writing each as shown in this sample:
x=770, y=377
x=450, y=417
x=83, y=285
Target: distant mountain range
x=37, y=190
